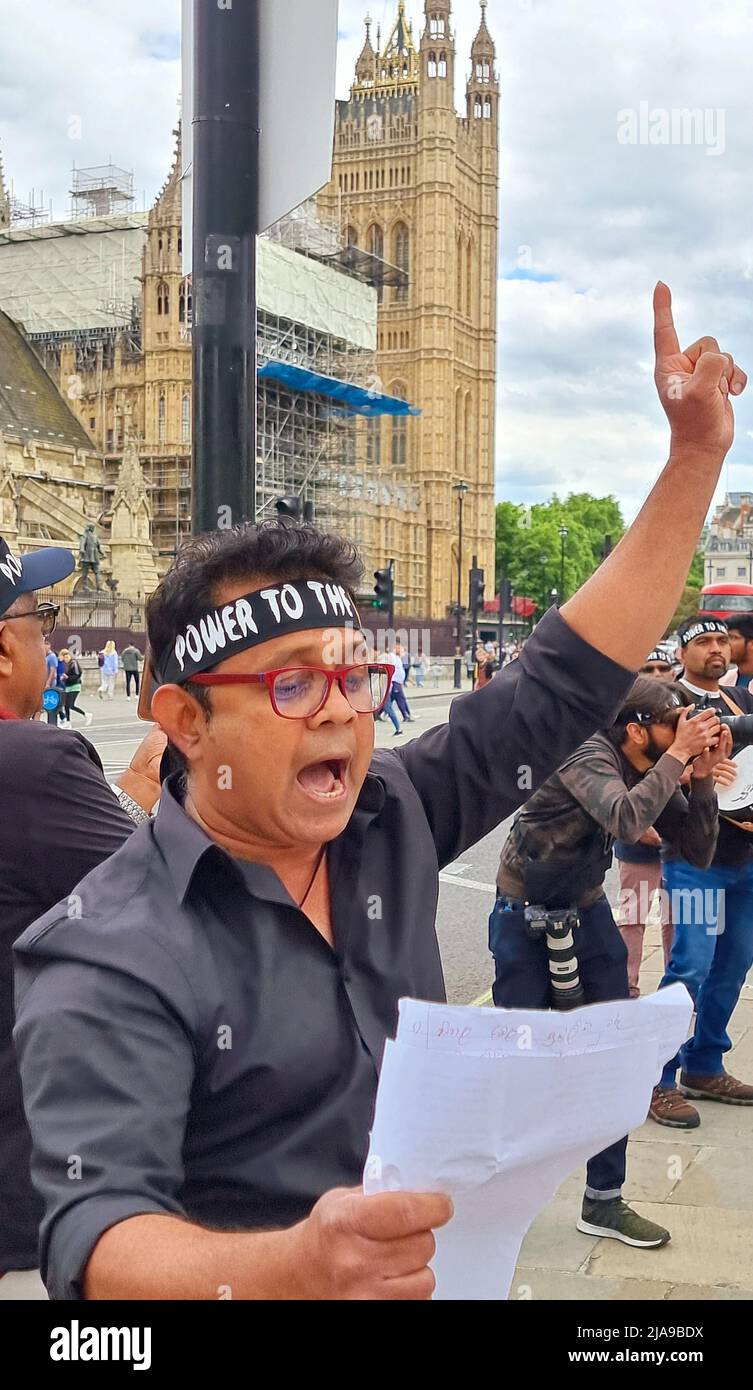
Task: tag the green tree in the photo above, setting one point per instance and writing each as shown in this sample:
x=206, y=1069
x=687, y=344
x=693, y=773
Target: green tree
x=529, y=547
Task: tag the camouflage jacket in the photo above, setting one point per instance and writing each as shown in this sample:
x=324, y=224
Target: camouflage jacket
x=598, y=793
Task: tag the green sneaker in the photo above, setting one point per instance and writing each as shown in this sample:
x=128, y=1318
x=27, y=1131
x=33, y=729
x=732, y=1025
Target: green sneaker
x=615, y=1219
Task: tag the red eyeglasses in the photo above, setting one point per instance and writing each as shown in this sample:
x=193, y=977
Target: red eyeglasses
x=299, y=692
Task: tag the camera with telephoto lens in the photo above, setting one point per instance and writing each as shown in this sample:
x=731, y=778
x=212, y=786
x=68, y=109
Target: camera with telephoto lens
x=739, y=725
x=557, y=925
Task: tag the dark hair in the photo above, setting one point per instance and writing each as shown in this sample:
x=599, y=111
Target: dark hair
x=743, y=625
x=649, y=697
x=274, y=549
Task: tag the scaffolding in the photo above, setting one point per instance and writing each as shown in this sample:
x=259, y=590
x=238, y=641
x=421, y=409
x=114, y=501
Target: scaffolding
x=101, y=190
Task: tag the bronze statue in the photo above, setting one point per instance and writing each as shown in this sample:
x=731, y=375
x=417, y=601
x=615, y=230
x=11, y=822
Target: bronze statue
x=90, y=556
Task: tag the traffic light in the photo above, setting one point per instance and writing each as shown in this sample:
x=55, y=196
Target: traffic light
x=477, y=590
x=384, y=589
x=505, y=597
x=290, y=507
x=607, y=547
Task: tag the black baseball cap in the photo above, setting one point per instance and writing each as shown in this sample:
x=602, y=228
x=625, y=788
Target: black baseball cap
x=22, y=574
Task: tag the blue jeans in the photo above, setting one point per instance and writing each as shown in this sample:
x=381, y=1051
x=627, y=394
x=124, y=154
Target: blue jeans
x=522, y=982
x=712, y=953
x=389, y=710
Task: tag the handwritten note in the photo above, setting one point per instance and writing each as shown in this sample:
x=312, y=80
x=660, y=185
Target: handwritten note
x=498, y=1106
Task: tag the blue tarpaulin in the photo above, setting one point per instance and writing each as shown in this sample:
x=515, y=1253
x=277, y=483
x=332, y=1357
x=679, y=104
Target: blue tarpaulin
x=352, y=398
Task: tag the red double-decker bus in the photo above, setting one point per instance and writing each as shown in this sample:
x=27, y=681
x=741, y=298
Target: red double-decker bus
x=725, y=600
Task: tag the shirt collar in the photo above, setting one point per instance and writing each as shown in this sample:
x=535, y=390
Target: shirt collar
x=184, y=845
x=696, y=689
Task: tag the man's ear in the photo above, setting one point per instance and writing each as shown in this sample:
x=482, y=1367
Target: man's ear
x=180, y=717
x=636, y=733
x=6, y=650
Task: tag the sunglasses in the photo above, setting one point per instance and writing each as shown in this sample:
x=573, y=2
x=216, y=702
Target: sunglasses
x=656, y=670
x=46, y=612
x=299, y=692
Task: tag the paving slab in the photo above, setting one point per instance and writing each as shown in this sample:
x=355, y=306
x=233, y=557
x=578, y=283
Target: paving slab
x=653, y=1170
x=553, y=1241
x=716, y=1177
x=696, y=1294
x=534, y=1284
x=709, y=1246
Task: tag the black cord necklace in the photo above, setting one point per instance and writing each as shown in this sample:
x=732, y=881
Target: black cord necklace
x=314, y=876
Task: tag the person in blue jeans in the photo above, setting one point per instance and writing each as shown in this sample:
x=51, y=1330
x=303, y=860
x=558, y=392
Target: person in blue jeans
x=712, y=950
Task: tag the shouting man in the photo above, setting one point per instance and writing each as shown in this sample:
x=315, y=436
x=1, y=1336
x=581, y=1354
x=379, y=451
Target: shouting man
x=206, y=1033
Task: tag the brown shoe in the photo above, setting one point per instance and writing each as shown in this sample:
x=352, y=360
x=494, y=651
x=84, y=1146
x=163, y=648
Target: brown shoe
x=723, y=1088
x=669, y=1108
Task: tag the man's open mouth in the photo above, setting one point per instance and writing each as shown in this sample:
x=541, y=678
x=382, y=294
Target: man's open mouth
x=325, y=780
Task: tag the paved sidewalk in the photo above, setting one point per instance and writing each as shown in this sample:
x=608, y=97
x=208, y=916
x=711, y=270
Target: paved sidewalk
x=698, y=1183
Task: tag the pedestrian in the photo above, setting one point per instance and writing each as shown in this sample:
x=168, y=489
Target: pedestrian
x=206, y=1031
x=420, y=670
x=60, y=819
x=131, y=660
x=640, y=871
x=51, y=659
x=395, y=658
x=109, y=671
x=712, y=909
x=487, y=667
x=740, y=632
x=619, y=783
x=72, y=678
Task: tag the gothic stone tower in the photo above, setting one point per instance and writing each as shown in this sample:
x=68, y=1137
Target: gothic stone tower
x=417, y=185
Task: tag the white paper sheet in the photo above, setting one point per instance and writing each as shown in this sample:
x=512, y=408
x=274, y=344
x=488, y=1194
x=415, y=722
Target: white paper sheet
x=497, y=1107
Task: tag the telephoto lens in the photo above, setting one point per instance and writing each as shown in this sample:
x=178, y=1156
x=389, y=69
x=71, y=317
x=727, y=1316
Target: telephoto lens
x=564, y=972
x=740, y=727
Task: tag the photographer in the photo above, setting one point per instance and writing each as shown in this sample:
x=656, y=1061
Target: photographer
x=712, y=905
x=619, y=783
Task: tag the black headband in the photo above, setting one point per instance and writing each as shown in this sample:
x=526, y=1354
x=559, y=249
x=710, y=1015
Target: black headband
x=248, y=621
x=701, y=625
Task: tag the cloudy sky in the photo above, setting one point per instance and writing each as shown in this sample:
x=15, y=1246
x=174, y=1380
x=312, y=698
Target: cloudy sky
x=603, y=191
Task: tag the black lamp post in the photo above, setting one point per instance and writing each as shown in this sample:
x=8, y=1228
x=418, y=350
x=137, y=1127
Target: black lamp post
x=544, y=562
x=461, y=489
x=564, y=533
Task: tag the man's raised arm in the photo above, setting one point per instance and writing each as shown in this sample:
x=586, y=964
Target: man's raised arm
x=643, y=579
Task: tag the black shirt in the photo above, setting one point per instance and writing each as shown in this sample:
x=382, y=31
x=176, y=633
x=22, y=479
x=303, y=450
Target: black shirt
x=59, y=819
x=734, y=847
x=195, y=1040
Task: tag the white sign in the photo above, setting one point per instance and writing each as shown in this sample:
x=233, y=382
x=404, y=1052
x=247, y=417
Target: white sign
x=298, y=43
x=739, y=796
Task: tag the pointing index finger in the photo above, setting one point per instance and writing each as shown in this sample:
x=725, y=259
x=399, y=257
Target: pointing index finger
x=665, y=337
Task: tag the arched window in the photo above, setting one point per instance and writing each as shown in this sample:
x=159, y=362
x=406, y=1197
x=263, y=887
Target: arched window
x=478, y=108
x=376, y=247
x=374, y=441
x=487, y=110
x=185, y=418
x=399, y=428
x=469, y=281
x=351, y=236
x=443, y=65
x=461, y=268
x=161, y=420
x=402, y=259
x=163, y=298
x=436, y=27
x=184, y=302
x=432, y=65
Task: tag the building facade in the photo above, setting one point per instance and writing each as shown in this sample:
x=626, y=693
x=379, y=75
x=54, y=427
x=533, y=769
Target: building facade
x=417, y=185
x=728, y=550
